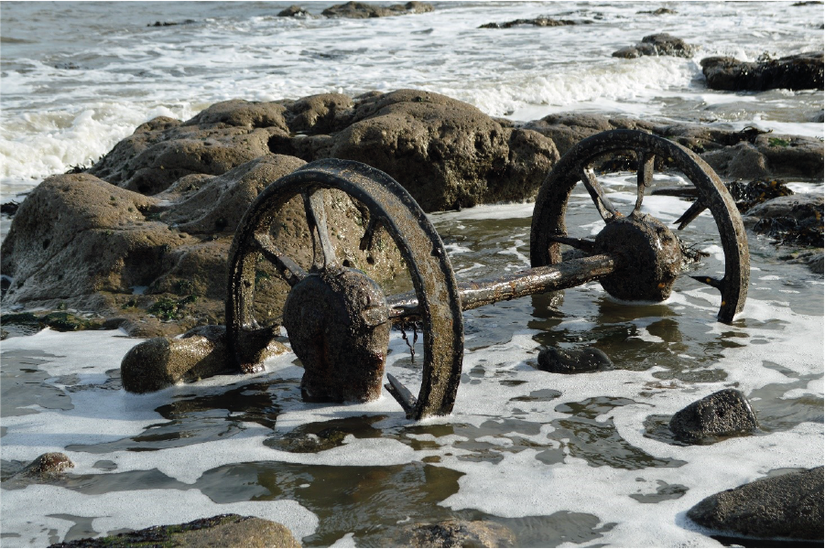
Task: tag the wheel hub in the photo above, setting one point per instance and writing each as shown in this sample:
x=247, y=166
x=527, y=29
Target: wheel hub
x=647, y=254
x=338, y=326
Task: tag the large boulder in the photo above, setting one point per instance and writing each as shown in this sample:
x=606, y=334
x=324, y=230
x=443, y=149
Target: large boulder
x=796, y=72
x=786, y=507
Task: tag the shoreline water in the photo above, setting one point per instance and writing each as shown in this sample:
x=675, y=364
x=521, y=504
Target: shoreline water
x=551, y=459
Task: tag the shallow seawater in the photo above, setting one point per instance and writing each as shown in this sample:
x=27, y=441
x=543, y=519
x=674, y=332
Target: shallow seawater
x=527, y=458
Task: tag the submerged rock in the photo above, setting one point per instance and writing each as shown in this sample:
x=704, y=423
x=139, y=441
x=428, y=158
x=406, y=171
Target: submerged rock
x=783, y=508
x=796, y=72
x=218, y=531
x=573, y=361
x=796, y=219
x=458, y=533
x=161, y=362
x=46, y=467
x=722, y=414
x=657, y=44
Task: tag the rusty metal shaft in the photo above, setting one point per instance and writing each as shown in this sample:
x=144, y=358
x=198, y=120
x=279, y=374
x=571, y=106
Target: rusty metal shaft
x=549, y=278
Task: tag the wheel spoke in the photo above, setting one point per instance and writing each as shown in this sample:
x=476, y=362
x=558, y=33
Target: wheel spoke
x=291, y=271
x=369, y=234
x=718, y=283
x=690, y=214
x=606, y=209
x=644, y=176
x=317, y=221
x=582, y=244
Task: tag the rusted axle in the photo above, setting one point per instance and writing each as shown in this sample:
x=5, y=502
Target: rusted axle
x=487, y=291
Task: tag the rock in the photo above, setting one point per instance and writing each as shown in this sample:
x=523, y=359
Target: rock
x=201, y=352
x=45, y=468
x=657, y=44
x=813, y=259
x=659, y=11
x=573, y=361
x=782, y=508
x=361, y=10
x=447, y=153
x=748, y=195
x=108, y=241
x=795, y=219
x=218, y=531
x=457, y=533
x=740, y=161
x=9, y=208
x=536, y=22
x=293, y=11
x=796, y=72
x=566, y=130
x=723, y=414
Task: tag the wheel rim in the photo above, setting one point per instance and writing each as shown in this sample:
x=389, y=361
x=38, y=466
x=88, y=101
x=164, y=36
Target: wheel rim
x=548, y=222
x=389, y=205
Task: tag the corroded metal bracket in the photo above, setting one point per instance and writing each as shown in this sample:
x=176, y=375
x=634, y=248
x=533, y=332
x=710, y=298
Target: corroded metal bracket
x=339, y=319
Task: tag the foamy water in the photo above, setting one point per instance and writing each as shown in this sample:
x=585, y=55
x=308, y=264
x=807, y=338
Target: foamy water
x=559, y=460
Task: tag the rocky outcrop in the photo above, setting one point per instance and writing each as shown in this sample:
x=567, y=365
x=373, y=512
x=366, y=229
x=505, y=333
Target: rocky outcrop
x=535, y=22
x=786, y=507
x=217, y=531
x=796, y=72
x=142, y=238
x=657, y=44
x=745, y=154
x=722, y=414
x=361, y=10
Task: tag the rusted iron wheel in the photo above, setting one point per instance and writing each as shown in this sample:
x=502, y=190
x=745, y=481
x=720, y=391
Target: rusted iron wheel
x=644, y=152
x=391, y=207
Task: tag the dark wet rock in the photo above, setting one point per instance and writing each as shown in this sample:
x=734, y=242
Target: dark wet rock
x=218, y=531
x=458, y=533
x=9, y=208
x=660, y=11
x=170, y=23
x=748, y=195
x=814, y=259
x=293, y=11
x=796, y=219
x=163, y=361
x=785, y=508
x=722, y=414
x=362, y=10
x=536, y=22
x=573, y=361
x=657, y=44
x=796, y=72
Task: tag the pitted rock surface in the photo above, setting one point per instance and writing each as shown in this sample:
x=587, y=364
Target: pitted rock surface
x=722, y=414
